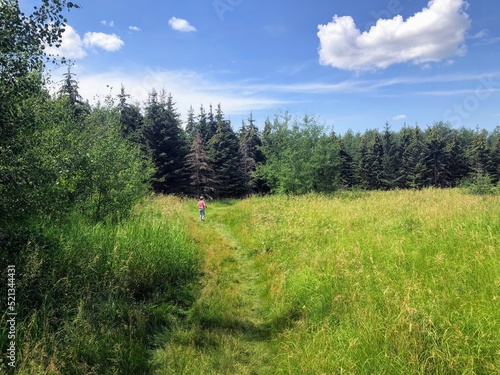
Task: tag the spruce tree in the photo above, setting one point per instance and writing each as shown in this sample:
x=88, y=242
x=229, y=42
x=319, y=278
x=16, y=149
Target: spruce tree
x=457, y=160
x=69, y=90
x=131, y=118
x=225, y=159
x=191, y=129
x=346, y=173
x=390, y=159
x=377, y=162
x=436, y=156
x=479, y=154
x=211, y=123
x=164, y=137
x=251, y=154
x=495, y=155
x=202, y=126
x=200, y=172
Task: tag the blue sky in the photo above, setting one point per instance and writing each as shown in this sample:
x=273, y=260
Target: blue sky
x=354, y=64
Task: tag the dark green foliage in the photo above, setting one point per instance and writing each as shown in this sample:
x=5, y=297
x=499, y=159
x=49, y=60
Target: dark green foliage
x=167, y=143
x=495, y=155
x=390, y=159
x=437, y=158
x=346, y=172
x=191, y=129
x=457, y=160
x=251, y=154
x=225, y=159
x=131, y=118
x=479, y=153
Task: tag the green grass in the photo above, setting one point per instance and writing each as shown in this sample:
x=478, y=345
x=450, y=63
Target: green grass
x=400, y=282
x=91, y=297
x=382, y=282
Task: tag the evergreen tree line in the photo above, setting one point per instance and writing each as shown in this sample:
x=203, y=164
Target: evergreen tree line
x=204, y=157
x=300, y=155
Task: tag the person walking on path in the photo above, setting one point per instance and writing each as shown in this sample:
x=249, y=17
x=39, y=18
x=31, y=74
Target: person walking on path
x=202, y=206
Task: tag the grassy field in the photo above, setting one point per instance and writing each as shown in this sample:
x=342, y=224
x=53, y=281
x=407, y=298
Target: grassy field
x=401, y=282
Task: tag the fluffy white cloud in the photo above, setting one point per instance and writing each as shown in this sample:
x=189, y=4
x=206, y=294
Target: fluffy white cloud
x=433, y=34
x=180, y=24
x=108, y=42
x=134, y=28
x=71, y=46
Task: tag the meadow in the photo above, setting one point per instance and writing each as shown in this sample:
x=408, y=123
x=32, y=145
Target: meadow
x=400, y=282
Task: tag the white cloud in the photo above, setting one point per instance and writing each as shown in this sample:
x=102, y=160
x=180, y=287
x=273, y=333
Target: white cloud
x=108, y=42
x=399, y=117
x=180, y=24
x=433, y=34
x=71, y=45
x=134, y=28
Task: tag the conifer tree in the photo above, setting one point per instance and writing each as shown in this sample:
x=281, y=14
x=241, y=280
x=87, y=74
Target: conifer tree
x=69, y=90
x=250, y=144
x=479, y=154
x=363, y=169
x=202, y=126
x=371, y=160
x=377, y=162
x=225, y=159
x=417, y=176
x=211, y=123
x=346, y=169
x=405, y=168
x=164, y=137
x=131, y=118
x=457, y=160
x=191, y=130
x=436, y=159
x=495, y=155
x=200, y=172
x=390, y=159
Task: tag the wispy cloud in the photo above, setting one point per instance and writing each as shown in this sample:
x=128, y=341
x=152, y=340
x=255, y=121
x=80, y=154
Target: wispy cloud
x=134, y=28
x=399, y=117
x=108, y=23
x=434, y=34
x=180, y=24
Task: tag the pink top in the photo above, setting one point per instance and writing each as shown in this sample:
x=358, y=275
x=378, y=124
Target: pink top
x=202, y=205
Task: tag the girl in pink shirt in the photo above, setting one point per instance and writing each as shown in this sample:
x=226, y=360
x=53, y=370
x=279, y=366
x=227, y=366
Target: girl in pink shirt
x=201, y=206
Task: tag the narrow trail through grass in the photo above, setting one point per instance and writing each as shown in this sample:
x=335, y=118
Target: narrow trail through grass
x=229, y=332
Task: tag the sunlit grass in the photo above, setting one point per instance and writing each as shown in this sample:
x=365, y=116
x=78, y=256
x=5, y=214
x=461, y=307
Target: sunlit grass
x=380, y=282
